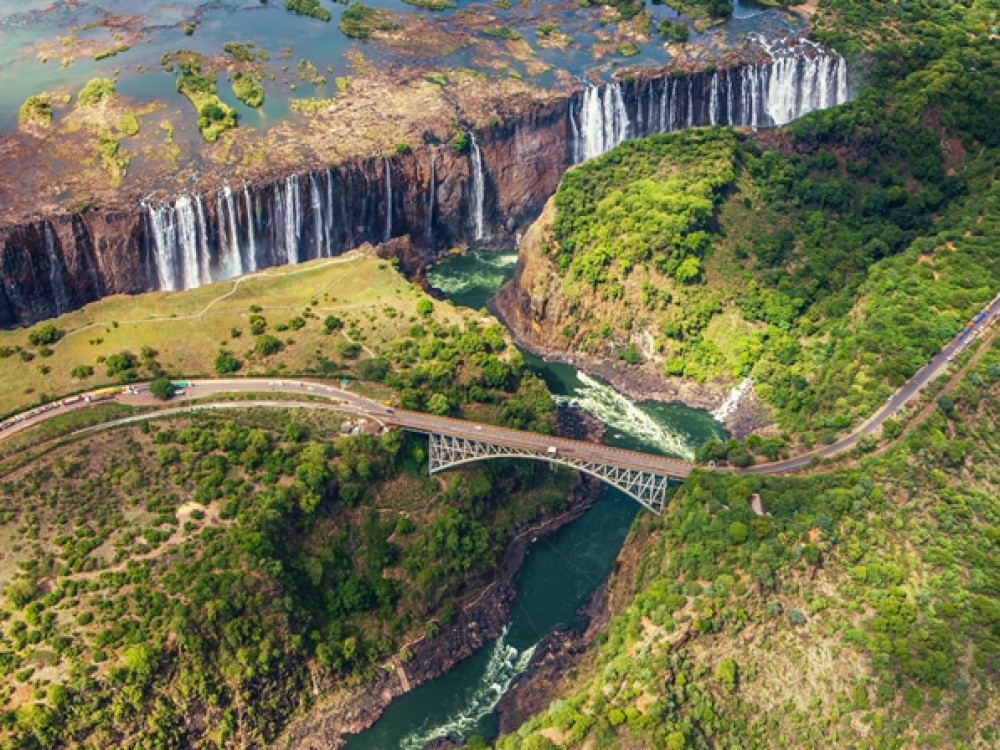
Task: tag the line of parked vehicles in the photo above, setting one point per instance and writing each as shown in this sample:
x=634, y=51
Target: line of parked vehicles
x=101, y=394
x=965, y=336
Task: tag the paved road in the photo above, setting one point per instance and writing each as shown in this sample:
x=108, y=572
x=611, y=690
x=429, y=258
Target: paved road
x=312, y=394
x=935, y=366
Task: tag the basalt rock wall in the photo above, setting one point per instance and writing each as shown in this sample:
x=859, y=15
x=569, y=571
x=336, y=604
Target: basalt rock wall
x=484, y=192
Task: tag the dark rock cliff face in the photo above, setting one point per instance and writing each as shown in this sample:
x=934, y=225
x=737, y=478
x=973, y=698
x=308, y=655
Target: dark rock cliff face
x=51, y=266
x=484, y=193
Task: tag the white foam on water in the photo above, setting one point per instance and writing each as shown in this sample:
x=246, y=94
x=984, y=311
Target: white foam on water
x=621, y=414
x=728, y=406
x=504, y=665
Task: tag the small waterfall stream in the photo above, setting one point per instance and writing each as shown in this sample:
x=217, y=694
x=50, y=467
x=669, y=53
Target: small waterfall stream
x=60, y=299
x=478, y=187
x=388, y=198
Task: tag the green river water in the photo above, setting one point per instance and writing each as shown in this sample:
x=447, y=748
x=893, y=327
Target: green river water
x=561, y=570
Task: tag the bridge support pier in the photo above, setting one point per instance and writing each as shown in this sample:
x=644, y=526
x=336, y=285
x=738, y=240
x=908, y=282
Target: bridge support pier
x=647, y=488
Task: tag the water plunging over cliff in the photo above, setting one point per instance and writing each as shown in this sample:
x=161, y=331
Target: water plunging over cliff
x=438, y=197
x=604, y=122
x=478, y=186
x=796, y=81
x=388, y=198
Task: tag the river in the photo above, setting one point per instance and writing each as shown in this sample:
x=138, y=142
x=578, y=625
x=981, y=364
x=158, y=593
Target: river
x=561, y=570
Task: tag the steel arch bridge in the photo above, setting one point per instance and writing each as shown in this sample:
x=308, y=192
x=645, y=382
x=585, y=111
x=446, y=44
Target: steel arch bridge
x=647, y=488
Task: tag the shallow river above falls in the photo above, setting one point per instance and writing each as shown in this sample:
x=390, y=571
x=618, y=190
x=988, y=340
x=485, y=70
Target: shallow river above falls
x=561, y=570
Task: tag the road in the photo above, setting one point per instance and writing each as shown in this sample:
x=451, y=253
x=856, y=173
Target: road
x=320, y=395
x=935, y=366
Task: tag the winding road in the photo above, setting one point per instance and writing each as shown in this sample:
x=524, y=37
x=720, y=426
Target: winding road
x=310, y=394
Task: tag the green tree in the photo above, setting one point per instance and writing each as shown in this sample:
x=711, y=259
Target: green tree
x=44, y=335
x=268, y=345
x=725, y=673
x=141, y=659
x=162, y=388
x=438, y=404
x=226, y=363
x=122, y=366
x=424, y=306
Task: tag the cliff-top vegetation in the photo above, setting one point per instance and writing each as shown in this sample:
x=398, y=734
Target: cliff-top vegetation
x=828, y=271
x=214, y=116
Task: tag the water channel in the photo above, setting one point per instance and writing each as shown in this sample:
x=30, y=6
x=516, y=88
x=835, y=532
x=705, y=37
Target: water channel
x=560, y=570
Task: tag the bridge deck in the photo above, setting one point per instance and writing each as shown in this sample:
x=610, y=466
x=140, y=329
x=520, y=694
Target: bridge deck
x=531, y=441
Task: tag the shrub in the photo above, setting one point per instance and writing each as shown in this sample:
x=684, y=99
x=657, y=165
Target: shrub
x=44, y=334
x=268, y=345
x=310, y=8
x=226, y=363
x=36, y=109
x=81, y=371
x=348, y=349
x=162, y=388
x=95, y=90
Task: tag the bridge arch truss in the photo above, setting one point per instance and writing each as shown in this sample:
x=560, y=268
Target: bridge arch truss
x=647, y=488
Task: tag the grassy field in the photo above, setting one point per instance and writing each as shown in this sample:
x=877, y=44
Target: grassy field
x=188, y=329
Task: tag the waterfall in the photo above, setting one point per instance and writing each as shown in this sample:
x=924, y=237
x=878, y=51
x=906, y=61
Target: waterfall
x=672, y=115
x=478, y=186
x=293, y=218
x=388, y=198
x=236, y=259
x=575, y=153
x=56, y=284
x=802, y=78
x=640, y=118
x=591, y=124
x=604, y=121
x=431, y=189
x=651, y=116
x=690, y=112
x=317, y=215
x=220, y=219
x=203, y=256
x=161, y=220
x=328, y=228
x=730, y=90
x=713, y=101
x=251, y=238
x=187, y=241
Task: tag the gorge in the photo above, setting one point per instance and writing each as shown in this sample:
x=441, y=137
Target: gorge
x=479, y=190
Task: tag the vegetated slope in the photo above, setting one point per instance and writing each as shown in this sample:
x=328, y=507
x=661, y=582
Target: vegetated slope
x=860, y=611
x=192, y=582
x=800, y=276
